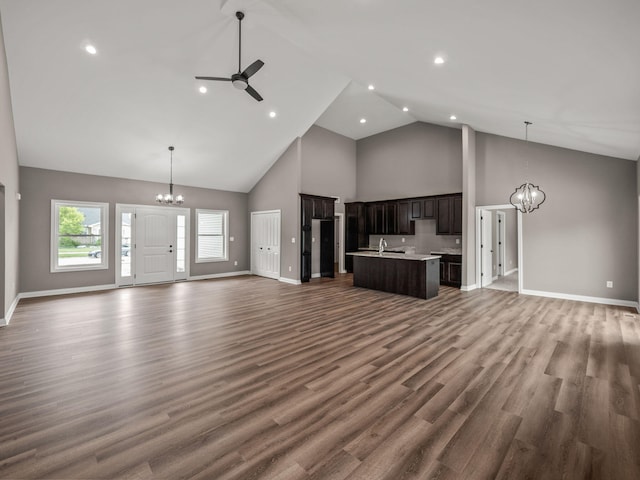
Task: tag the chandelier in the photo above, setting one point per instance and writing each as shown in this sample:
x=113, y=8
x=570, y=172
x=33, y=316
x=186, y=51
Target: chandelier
x=527, y=197
x=168, y=197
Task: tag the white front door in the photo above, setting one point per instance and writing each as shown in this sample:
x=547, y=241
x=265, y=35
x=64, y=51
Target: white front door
x=486, y=248
x=155, y=245
x=265, y=244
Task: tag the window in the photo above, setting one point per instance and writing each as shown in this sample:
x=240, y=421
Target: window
x=212, y=241
x=79, y=236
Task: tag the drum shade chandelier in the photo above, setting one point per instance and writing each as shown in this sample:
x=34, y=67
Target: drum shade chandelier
x=527, y=197
x=168, y=198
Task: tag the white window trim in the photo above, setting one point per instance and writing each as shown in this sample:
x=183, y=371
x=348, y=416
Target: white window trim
x=225, y=235
x=104, y=228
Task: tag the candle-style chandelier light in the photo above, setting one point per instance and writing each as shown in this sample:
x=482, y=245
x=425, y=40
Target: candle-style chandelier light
x=527, y=197
x=168, y=198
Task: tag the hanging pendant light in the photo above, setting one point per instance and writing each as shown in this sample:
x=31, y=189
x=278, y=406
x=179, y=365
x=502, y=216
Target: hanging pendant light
x=168, y=197
x=527, y=197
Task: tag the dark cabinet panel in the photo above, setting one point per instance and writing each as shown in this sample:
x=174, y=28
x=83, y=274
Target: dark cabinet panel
x=327, y=239
x=390, y=218
x=406, y=226
x=376, y=218
x=416, y=208
x=449, y=215
x=314, y=207
x=355, y=231
x=443, y=225
x=429, y=208
x=456, y=215
x=451, y=270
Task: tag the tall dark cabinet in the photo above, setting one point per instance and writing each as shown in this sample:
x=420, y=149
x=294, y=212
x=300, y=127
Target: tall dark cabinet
x=356, y=235
x=320, y=208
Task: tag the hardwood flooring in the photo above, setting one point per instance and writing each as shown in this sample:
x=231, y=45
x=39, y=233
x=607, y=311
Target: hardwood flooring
x=249, y=378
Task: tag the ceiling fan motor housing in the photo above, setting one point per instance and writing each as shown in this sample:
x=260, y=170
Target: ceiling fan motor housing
x=239, y=81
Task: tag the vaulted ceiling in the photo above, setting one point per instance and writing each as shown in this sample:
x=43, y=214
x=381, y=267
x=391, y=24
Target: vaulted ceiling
x=570, y=67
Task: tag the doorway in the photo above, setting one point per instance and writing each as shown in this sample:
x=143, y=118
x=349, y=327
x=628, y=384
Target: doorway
x=499, y=248
x=265, y=243
x=153, y=244
x=3, y=270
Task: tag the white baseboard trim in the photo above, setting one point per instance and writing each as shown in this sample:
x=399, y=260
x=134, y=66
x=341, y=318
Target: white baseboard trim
x=7, y=319
x=290, y=281
x=513, y=270
x=219, y=275
x=582, y=298
x=342, y=271
x=468, y=288
x=315, y=275
x=494, y=278
x=66, y=291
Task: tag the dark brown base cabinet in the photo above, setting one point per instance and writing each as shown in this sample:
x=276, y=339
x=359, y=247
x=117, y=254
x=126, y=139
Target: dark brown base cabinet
x=417, y=278
x=451, y=270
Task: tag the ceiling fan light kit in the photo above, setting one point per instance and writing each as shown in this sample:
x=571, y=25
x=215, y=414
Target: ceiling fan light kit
x=240, y=80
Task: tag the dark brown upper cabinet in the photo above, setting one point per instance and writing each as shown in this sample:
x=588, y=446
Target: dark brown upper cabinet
x=406, y=226
x=423, y=208
x=449, y=215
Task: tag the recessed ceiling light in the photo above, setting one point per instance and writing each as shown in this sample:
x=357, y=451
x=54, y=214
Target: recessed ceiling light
x=371, y=87
x=203, y=89
x=405, y=109
x=453, y=117
x=272, y=114
x=438, y=60
x=91, y=49
x=363, y=120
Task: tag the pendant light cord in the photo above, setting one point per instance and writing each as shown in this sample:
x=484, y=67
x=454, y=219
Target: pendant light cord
x=526, y=139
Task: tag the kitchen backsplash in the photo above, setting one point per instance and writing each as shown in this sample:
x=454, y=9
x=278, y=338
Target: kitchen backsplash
x=425, y=240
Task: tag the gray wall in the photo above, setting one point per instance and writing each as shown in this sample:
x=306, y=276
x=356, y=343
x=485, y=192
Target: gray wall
x=39, y=187
x=587, y=230
x=279, y=189
x=414, y=160
x=9, y=179
x=328, y=165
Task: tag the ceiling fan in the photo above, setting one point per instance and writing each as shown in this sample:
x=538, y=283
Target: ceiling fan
x=240, y=80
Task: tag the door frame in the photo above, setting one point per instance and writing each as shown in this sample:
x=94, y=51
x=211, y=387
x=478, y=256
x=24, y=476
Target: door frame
x=520, y=249
x=486, y=226
x=252, y=237
x=124, y=208
x=501, y=218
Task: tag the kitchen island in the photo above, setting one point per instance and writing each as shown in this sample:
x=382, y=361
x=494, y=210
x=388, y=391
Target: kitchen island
x=403, y=273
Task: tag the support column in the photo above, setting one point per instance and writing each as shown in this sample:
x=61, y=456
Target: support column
x=468, y=208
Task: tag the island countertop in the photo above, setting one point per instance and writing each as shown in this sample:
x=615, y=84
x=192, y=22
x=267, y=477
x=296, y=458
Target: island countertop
x=396, y=255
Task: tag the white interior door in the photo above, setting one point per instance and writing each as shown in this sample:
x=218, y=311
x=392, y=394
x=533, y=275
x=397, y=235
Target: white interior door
x=486, y=247
x=155, y=245
x=265, y=244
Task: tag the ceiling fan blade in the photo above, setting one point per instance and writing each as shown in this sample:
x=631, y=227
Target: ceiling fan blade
x=221, y=79
x=253, y=93
x=253, y=68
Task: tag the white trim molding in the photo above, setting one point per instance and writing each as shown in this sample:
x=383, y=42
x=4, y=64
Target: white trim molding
x=513, y=270
x=290, y=281
x=7, y=319
x=582, y=298
x=219, y=275
x=67, y=291
x=468, y=288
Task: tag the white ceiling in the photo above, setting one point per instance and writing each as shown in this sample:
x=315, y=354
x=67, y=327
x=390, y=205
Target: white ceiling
x=570, y=67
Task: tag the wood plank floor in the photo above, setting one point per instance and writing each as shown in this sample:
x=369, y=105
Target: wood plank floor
x=249, y=378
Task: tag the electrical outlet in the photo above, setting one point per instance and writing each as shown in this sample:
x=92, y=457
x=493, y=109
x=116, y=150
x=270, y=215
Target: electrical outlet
x=404, y=239
x=609, y=283
x=235, y=263
x=313, y=239
x=289, y=267
x=457, y=241
x=293, y=239
x=231, y=239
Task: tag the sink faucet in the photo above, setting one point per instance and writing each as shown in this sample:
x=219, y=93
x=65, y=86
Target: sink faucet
x=381, y=245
